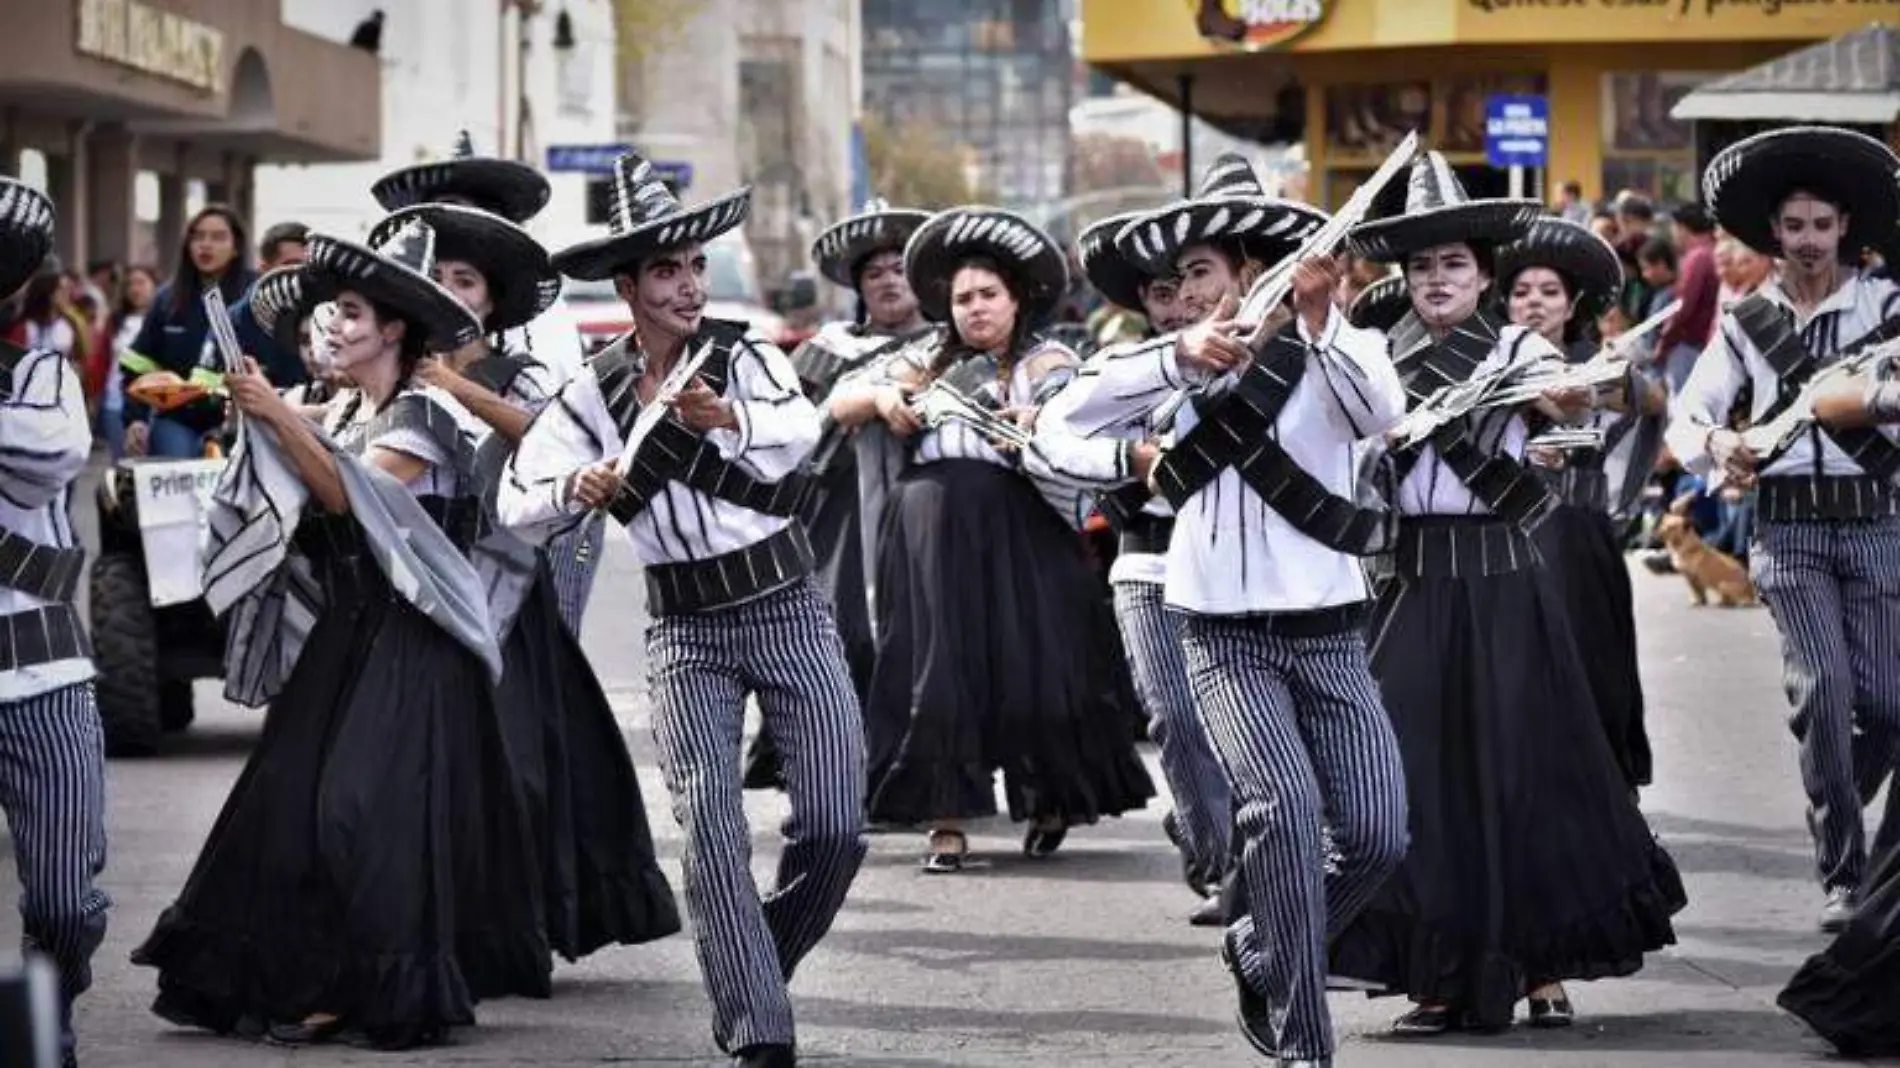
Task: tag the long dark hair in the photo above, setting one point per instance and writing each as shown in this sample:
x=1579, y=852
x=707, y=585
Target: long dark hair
x=955, y=349
x=36, y=304
x=187, y=287
x=1582, y=327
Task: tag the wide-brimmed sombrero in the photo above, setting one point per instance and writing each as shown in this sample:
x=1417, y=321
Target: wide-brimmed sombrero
x=1229, y=205
x=950, y=237
x=1746, y=183
x=509, y=188
x=644, y=218
x=1437, y=212
x=877, y=227
x=283, y=296
x=26, y=233
x=397, y=272
x=1116, y=279
x=522, y=281
x=1588, y=264
x=1381, y=305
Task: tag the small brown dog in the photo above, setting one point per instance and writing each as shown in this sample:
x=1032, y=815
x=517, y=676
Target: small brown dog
x=1702, y=567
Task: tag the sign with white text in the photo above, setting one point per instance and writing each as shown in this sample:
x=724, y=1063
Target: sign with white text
x=174, y=498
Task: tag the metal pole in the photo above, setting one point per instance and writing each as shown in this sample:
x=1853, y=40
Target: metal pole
x=1187, y=135
x=1517, y=183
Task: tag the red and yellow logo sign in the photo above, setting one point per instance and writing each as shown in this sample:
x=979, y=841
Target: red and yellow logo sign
x=1256, y=25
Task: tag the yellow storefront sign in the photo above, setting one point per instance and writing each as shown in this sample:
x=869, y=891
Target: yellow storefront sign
x=1255, y=25
x=157, y=42
x=1518, y=21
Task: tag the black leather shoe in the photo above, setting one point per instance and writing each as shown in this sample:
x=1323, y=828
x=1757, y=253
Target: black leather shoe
x=1208, y=913
x=1423, y=1022
x=1552, y=1012
x=1839, y=910
x=1043, y=842
x=305, y=1033
x=766, y=1055
x=1253, y=1015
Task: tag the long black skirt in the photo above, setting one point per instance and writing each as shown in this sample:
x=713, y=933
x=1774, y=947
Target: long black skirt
x=371, y=860
x=601, y=883
x=1850, y=992
x=995, y=652
x=1529, y=860
x=1580, y=548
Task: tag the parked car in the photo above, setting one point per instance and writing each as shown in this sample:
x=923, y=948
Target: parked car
x=731, y=275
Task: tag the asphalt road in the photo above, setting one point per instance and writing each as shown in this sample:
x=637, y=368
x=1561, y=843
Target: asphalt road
x=1085, y=960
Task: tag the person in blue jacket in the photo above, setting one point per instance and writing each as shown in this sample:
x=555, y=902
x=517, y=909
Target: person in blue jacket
x=283, y=245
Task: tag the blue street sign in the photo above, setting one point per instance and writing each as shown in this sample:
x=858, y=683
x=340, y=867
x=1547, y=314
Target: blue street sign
x=1517, y=130
x=599, y=159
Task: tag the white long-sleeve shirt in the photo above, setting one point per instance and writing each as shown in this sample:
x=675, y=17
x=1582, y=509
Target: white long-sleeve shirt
x=1231, y=553
x=1432, y=487
x=777, y=427
x=44, y=441
x=1732, y=361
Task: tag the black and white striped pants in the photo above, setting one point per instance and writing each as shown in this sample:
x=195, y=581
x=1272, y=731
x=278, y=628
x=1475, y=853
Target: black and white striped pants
x=53, y=789
x=785, y=649
x=574, y=557
x=1834, y=590
x=1298, y=725
x=1151, y=634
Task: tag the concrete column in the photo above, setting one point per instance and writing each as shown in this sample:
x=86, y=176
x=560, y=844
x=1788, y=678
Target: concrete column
x=238, y=191
x=170, y=230
x=112, y=178
x=66, y=184
x=10, y=145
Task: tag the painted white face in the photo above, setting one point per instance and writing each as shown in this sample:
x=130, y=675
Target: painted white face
x=322, y=351
x=1206, y=278
x=356, y=337
x=1810, y=232
x=1541, y=301
x=668, y=293
x=1446, y=283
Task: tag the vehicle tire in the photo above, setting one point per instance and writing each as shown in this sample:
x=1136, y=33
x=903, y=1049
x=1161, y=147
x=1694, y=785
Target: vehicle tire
x=175, y=711
x=125, y=648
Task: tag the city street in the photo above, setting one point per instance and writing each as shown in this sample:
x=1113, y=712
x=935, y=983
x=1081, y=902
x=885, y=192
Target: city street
x=1085, y=960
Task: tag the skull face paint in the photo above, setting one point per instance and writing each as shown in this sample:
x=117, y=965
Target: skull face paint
x=1446, y=284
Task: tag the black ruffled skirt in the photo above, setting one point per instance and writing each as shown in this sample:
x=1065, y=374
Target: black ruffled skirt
x=372, y=859
x=1580, y=548
x=600, y=883
x=1850, y=992
x=995, y=652
x=1529, y=859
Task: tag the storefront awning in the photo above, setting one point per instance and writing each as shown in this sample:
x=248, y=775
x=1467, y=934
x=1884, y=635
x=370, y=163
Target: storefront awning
x=1853, y=79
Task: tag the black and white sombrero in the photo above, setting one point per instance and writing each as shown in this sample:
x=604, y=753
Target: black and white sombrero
x=1381, y=305
x=1230, y=204
x=522, y=282
x=26, y=233
x=646, y=218
x=283, y=296
x=1104, y=265
x=1590, y=267
x=397, y=272
x=507, y=187
x=941, y=244
x=877, y=227
x=1746, y=183
x=1437, y=212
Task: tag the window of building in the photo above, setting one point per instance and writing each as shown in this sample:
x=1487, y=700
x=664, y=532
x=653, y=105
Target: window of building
x=1643, y=148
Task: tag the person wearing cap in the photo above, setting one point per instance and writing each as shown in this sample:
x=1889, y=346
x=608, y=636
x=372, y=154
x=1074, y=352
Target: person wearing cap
x=865, y=254
x=1827, y=537
x=995, y=650
x=516, y=192
x=708, y=497
x=1530, y=862
x=370, y=871
x=52, y=784
x=1555, y=280
x=1270, y=604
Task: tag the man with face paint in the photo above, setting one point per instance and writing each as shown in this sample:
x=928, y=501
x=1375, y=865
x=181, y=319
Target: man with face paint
x=1826, y=556
x=1261, y=570
x=1529, y=861
x=708, y=501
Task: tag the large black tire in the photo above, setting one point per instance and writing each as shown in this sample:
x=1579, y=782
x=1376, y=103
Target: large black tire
x=125, y=647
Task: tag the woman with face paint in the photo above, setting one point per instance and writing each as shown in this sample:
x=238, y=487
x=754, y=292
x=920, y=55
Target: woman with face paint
x=1555, y=281
x=369, y=872
x=1530, y=863
x=994, y=649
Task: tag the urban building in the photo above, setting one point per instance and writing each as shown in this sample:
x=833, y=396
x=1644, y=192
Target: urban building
x=1363, y=72
x=99, y=98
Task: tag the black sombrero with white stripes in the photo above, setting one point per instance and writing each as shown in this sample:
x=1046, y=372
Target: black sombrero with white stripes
x=397, y=272
x=950, y=237
x=1589, y=266
x=509, y=188
x=1230, y=204
x=26, y=233
x=1437, y=212
x=646, y=218
x=877, y=227
x=522, y=281
x=1381, y=305
x=1103, y=264
x=1746, y=183
x=283, y=296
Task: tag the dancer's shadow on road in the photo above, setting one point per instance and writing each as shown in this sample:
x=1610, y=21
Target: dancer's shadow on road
x=1765, y=1031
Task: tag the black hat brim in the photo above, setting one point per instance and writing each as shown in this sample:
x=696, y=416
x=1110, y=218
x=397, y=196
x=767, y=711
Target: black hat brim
x=1746, y=183
x=840, y=249
x=522, y=281
x=513, y=190
x=1118, y=281
x=26, y=234
x=1481, y=222
x=348, y=267
x=1381, y=305
x=1587, y=262
x=1272, y=229
x=950, y=237
x=604, y=257
x=283, y=296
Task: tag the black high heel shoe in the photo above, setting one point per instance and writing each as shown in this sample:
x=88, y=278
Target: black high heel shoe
x=1044, y=841
x=1552, y=1012
x=309, y=1031
x=1425, y=1021
x=939, y=861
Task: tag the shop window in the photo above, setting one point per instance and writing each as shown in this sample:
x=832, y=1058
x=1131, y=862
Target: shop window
x=1364, y=122
x=1645, y=150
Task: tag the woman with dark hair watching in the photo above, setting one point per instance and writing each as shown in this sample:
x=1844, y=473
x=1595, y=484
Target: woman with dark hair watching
x=41, y=323
x=213, y=253
x=995, y=648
